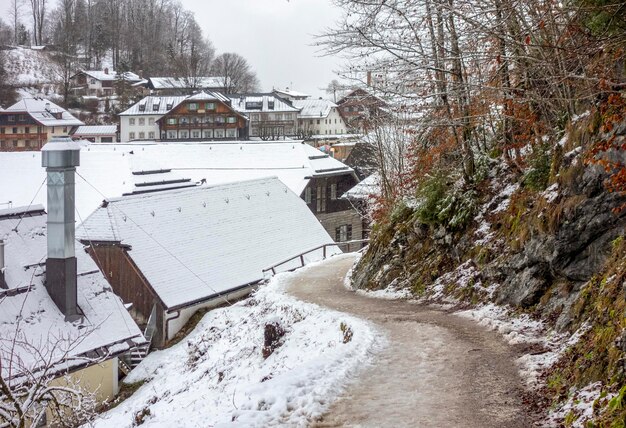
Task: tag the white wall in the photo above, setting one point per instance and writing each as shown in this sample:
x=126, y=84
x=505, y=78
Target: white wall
x=333, y=124
x=134, y=131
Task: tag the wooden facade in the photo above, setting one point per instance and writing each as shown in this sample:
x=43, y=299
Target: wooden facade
x=20, y=132
x=203, y=119
x=359, y=108
x=128, y=283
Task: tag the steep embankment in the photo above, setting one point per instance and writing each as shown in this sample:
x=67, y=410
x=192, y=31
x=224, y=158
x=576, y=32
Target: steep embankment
x=548, y=245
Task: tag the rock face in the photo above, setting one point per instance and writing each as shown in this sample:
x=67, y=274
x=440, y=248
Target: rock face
x=547, y=272
x=574, y=253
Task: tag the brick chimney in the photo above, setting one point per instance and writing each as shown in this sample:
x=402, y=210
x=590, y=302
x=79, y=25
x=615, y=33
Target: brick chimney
x=60, y=160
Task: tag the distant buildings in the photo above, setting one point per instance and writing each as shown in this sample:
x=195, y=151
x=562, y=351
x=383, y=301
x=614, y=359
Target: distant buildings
x=100, y=83
x=203, y=116
x=28, y=124
x=173, y=86
x=361, y=108
x=319, y=117
x=139, y=122
x=271, y=117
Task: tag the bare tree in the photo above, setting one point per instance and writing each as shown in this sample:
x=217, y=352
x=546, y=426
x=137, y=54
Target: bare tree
x=15, y=14
x=235, y=73
x=38, y=14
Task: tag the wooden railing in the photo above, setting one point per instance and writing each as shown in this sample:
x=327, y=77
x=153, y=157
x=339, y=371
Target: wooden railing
x=300, y=256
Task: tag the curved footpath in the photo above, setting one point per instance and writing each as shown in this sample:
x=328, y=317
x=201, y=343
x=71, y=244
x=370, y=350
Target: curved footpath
x=438, y=370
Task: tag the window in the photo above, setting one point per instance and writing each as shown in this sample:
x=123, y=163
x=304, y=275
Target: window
x=278, y=116
x=231, y=133
x=15, y=130
x=171, y=135
x=255, y=117
x=142, y=135
x=288, y=116
x=106, y=139
x=33, y=143
x=207, y=133
x=219, y=119
x=131, y=135
x=209, y=106
x=22, y=118
x=131, y=121
x=333, y=191
x=307, y=195
x=150, y=121
x=171, y=121
x=209, y=119
x=65, y=129
x=219, y=133
x=11, y=118
x=26, y=130
x=343, y=233
x=21, y=143
x=320, y=195
x=232, y=119
x=193, y=106
x=142, y=121
x=142, y=107
x=2, y=130
x=195, y=134
x=151, y=135
x=318, y=121
x=92, y=81
x=335, y=121
x=184, y=120
x=183, y=134
x=155, y=107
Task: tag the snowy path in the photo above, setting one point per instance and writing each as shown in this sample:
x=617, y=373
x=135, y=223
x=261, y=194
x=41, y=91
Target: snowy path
x=438, y=370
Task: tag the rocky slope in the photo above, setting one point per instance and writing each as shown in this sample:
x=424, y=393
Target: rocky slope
x=554, y=251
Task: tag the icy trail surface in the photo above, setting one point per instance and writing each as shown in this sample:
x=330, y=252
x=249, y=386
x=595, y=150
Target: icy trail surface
x=438, y=370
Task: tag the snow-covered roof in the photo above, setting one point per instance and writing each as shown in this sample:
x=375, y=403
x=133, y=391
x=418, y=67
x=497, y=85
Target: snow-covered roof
x=112, y=75
x=43, y=111
x=153, y=105
x=87, y=130
x=291, y=93
x=108, y=168
x=29, y=314
x=208, y=96
x=364, y=190
x=262, y=103
x=238, y=230
x=314, y=109
x=181, y=83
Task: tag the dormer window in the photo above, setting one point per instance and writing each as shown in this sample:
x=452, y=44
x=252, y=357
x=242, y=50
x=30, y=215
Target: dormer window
x=169, y=106
x=270, y=105
x=155, y=107
x=142, y=107
x=209, y=106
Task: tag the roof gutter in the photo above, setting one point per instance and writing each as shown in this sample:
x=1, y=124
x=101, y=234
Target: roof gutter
x=211, y=297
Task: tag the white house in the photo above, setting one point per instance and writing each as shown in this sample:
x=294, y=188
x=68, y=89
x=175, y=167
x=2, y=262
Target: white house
x=319, y=118
x=99, y=82
x=239, y=230
x=290, y=94
x=271, y=117
x=139, y=122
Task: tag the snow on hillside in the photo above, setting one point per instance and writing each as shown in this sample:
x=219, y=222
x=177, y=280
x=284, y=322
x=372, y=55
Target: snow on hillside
x=28, y=67
x=218, y=377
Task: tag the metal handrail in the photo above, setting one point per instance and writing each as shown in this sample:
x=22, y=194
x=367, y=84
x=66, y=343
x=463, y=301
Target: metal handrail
x=301, y=255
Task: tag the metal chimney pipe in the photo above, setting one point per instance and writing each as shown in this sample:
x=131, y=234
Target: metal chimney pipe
x=60, y=159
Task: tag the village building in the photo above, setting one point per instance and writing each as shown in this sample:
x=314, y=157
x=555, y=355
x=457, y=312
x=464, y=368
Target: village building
x=361, y=109
x=320, y=118
x=32, y=122
x=96, y=133
x=100, y=83
x=127, y=168
x=290, y=94
x=68, y=321
x=139, y=121
x=270, y=117
x=141, y=243
x=203, y=116
x=173, y=86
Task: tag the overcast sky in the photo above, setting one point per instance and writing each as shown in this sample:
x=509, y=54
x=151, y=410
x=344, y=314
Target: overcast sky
x=275, y=36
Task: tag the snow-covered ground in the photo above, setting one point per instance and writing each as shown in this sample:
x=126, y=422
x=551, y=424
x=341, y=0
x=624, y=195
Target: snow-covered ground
x=217, y=376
